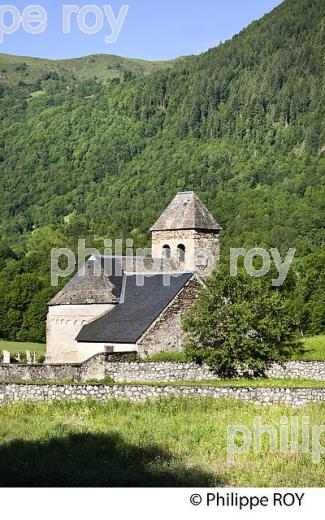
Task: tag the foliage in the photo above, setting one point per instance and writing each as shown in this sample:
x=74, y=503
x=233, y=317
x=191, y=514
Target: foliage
x=309, y=293
x=240, y=323
x=241, y=124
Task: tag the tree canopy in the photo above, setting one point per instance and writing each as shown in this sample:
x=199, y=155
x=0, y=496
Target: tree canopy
x=241, y=124
x=240, y=323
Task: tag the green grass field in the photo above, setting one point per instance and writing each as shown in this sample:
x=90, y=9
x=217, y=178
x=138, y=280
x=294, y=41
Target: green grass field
x=172, y=442
x=260, y=382
x=314, y=350
x=314, y=347
x=242, y=382
x=14, y=346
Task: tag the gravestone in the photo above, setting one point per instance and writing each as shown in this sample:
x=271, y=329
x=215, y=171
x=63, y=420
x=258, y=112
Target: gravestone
x=6, y=357
x=28, y=357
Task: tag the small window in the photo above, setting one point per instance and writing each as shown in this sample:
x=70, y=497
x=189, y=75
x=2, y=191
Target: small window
x=166, y=251
x=181, y=253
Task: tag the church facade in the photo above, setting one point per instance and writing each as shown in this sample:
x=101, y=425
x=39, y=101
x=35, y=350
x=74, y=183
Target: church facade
x=134, y=304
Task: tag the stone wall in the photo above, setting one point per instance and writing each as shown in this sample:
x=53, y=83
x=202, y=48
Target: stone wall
x=165, y=334
x=298, y=370
x=93, y=368
x=169, y=371
x=201, y=248
x=288, y=396
x=105, y=365
x=158, y=371
x=20, y=372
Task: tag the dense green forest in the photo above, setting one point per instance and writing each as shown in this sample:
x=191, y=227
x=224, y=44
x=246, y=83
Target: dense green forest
x=94, y=156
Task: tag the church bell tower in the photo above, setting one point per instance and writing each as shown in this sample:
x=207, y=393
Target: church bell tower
x=186, y=235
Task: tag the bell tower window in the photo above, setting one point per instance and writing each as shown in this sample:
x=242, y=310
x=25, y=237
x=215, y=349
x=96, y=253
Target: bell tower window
x=181, y=253
x=166, y=251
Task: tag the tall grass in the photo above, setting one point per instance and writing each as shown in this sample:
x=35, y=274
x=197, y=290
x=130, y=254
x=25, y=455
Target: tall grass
x=172, y=442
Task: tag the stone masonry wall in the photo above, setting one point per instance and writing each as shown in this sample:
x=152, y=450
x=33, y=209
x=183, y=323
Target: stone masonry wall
x=20, y=372
x=288, y=396
x=93, y=368
x=201, y=248
x=298, y=370
x=169, y=371
x=166, y=335
x=103, y=365
x=155, y=371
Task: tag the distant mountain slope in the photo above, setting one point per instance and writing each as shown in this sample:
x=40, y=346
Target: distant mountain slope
x=15, y=69
x=242, y=125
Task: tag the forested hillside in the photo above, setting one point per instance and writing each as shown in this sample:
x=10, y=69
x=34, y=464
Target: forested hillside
x=242, y=124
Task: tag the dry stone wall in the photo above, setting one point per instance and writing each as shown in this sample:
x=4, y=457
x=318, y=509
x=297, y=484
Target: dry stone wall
x=93, y=368
x=154, y=371
x=288, y=396
x=298, y=370
x=169, y=371
x=20, y=372
x=103, y=366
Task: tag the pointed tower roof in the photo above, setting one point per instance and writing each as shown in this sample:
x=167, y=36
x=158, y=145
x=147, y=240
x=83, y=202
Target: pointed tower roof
x=186, y=211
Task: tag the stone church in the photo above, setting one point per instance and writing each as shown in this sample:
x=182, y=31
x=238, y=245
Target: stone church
x=136, y=304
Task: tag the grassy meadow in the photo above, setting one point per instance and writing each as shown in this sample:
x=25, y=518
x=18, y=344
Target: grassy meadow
x=244, y=382
x=171, y=442
x=15, y=346
x=314, y=347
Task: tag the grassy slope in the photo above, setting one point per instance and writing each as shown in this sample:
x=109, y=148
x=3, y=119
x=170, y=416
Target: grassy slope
x=314, y=351
x=14, y=346
x=104, y=67
x=173, y=442
x=314, y=348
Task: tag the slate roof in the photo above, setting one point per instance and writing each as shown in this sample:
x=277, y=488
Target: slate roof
x=135, y=264
x=102, y=279
x=186, y=211
x=91, y=286
x=127, y=322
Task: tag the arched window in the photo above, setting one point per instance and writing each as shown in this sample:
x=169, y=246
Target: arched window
x=166, y=251
x=181, y=253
